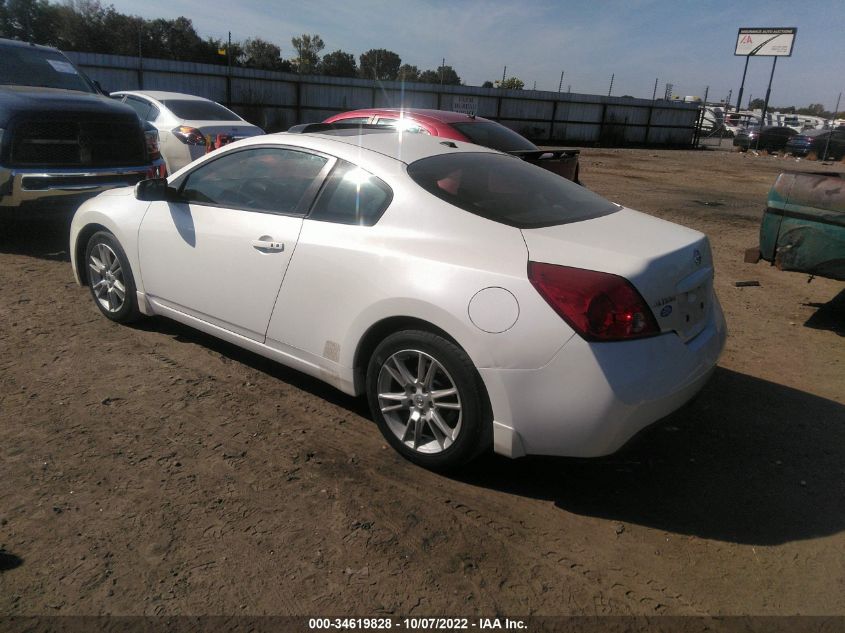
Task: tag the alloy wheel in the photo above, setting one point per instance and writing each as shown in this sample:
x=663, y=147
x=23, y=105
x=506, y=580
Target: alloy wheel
x=419, y=401
x=106, y=278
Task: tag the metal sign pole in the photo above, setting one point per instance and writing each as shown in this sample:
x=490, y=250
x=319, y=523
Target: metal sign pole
x=766, y=103
x=742, y=85
x=830, y=131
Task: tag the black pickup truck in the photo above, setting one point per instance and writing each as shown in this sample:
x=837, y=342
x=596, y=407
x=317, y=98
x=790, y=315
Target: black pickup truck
x=61, y=139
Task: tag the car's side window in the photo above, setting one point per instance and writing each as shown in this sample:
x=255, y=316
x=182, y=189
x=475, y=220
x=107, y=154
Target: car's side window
x=351, y=196
x=355, y=119
x=140, y=106
x=152, y=115
x=268, y=179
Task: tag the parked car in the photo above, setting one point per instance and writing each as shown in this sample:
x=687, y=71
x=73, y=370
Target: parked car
x=772, y=138
x=188, y=126
x=61, y=139
x=803, y=226
x=468, y=128
x=823, y=144
x=476, y=300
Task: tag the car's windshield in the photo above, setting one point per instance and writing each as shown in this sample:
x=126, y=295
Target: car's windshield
x=494, y=135
x=507, y=190
x=196, y=110
x=31, y=66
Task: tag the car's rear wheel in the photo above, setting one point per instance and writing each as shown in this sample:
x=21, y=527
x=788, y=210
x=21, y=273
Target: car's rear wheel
x=428, y=400
x=110, y=278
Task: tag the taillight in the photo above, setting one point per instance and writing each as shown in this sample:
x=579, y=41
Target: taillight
x=152, y=143
x=189, y=135
x=598, y=306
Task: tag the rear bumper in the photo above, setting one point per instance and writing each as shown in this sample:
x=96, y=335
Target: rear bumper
x=20, y=186
x=593, y=397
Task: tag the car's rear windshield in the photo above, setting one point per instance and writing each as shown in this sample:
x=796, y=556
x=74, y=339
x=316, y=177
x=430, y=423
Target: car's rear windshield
x=22, y=66
x=507, y=190
x=494, y=135
x=196, y=110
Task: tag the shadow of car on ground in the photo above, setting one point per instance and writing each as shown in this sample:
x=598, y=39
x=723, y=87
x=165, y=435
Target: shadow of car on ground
x=748, y=461
x=829, y=316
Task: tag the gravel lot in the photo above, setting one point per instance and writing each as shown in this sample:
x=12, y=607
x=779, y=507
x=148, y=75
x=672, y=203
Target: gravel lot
x=155, y=470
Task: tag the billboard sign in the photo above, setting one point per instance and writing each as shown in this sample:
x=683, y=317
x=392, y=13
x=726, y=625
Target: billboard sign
x=765, y=42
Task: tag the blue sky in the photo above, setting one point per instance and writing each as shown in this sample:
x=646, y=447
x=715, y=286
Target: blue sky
x=689, y=44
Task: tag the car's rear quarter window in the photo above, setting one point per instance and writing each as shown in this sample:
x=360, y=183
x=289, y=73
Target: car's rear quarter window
x=351, y=196
x=507, y=190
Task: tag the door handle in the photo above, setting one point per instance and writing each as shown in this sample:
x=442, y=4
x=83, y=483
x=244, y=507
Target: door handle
x=268, y=245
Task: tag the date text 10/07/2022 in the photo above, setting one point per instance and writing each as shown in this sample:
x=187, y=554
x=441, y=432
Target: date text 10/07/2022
x=412, y=624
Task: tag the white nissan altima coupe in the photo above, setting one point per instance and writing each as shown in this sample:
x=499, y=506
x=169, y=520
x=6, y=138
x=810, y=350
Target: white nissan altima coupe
x=478, y=301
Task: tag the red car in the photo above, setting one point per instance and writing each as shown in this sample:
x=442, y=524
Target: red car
x=470, y=129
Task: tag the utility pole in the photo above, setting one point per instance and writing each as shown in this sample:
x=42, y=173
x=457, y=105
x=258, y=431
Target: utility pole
x=706, y=92
x=654, y=92
x=609, y=90
x=504, y=72
x=229, y=72
x=140, y=58
x=442, y=70
x=560, y=85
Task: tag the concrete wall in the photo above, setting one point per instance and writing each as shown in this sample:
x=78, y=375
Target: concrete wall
x=275, y=101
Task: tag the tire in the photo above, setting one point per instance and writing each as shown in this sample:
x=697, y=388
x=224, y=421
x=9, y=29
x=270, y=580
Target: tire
x=110, y=278
x=441, y=432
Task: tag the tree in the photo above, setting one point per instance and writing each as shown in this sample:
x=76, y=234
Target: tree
x=307, y=49
x=756, y=104
x=444, y=74
x=487, y=84
x=258, y=53
x=378, y=63
x=511, y=83
x=408, y=73
x=29, y=20
x=338, y=64
x=816, y=109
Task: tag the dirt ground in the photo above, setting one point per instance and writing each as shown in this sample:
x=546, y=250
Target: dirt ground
x=155, y=470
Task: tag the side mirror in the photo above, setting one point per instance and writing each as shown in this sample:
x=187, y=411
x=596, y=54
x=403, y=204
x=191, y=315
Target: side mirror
x=154, y=190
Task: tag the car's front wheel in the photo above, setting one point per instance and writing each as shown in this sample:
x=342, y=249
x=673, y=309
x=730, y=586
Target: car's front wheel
x=110, y=278
x=428, y=400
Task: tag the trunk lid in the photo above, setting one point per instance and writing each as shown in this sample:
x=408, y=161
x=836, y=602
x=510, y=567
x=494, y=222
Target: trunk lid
x=232, y=128
x=670, y=265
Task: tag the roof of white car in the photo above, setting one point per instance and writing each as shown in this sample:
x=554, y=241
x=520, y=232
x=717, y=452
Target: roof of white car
x=405, y=147
x=161, y=95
